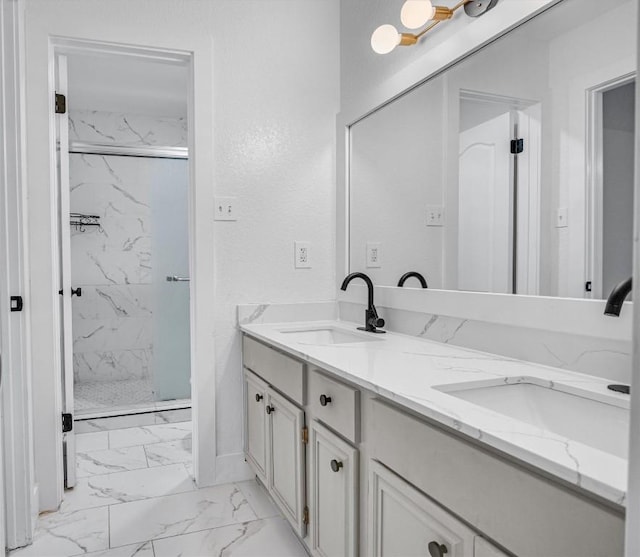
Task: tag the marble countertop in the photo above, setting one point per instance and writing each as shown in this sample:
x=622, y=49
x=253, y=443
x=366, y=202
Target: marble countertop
x=407, y=370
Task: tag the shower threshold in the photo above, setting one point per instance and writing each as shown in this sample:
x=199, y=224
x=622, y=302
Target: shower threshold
x=143, y=408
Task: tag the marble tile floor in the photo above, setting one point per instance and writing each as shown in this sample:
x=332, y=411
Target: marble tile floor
x=135, y=497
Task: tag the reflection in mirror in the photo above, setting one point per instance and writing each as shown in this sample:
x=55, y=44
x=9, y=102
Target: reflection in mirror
x=510, y=172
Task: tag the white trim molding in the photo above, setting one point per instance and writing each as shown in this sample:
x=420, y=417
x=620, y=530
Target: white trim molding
x=19, y=474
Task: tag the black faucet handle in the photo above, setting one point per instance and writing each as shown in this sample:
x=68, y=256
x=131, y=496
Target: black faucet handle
x=373, y=321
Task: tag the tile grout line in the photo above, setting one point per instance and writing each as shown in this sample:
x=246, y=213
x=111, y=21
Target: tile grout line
x=153, y=540
x=155, y=469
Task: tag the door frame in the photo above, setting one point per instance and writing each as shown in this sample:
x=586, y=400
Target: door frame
x=200, y=258
x=20, y=489
x=595, y=180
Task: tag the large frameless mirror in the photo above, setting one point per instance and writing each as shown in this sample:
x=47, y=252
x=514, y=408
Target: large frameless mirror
x=512, y=171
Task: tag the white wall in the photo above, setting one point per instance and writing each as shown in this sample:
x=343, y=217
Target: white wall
x=266, y=95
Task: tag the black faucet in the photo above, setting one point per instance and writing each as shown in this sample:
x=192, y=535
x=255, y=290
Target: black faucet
x=616, y=298
x=414, y=274
x=371, y=319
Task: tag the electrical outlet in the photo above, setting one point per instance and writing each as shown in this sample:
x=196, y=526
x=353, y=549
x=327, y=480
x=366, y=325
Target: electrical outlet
x=226, y=208
x=302, y=255
x=374, y=254
x=562, y=217
x=435, y=215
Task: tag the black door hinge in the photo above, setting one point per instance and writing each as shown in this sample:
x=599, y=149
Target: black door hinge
x=16, y=303
x=517, y=146
x=61, y=104
x=587, y=286
x=67, y=423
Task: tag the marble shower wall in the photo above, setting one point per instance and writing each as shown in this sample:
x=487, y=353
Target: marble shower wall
x=113, y=319
x=126, y=129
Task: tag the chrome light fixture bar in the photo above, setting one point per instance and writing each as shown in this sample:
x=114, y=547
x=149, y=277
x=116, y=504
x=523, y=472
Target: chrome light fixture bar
x=418, y=13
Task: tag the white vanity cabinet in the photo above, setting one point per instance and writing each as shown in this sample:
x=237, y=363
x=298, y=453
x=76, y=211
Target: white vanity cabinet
x=403, y=522
x=370, y=477
x=275, y=427
x=333, y=499
x=274, y=435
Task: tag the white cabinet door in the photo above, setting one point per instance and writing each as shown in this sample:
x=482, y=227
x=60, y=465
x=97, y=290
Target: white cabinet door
x=403, y=522
x=484, y=549
x=332, y=494
x=286, y=461
x=255, y=437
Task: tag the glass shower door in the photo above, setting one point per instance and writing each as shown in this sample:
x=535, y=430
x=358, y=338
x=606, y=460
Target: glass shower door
x=170, y=279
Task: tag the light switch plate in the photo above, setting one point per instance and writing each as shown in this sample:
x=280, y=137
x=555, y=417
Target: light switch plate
x=562, y=217
x=302, y=254
x=226, y=208
x=374, y=255
x=435, y=215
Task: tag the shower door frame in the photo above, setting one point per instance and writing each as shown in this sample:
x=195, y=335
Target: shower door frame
x=200, y=222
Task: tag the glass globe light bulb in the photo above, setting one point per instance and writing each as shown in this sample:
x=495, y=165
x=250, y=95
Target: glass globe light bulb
x=384, y=39
x=416, y=13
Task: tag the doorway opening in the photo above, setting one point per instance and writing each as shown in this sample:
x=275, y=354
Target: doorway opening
x=123, y=205
x=611, y=117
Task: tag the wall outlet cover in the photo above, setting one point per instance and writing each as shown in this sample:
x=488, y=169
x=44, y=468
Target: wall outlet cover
x=226, y=208
x=302, y=255
x=435, y=215
x=374, y=255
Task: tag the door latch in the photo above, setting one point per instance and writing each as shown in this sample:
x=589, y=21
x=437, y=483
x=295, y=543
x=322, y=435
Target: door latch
x=16, y=303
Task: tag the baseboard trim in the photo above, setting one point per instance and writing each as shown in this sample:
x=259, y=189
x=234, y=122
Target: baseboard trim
x=232, y=468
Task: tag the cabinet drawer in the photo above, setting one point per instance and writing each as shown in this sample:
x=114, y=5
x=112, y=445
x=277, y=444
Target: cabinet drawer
x=280, y=371
x=527, y=514
x=335, y=404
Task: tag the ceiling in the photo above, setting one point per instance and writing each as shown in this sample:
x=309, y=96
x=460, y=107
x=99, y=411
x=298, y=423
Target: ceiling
x=118, y=83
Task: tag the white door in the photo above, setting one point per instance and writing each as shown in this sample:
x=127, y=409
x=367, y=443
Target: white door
x=403, y=522
x=255, y=438
x=485, y=218
x=64, y=283
x=332, y=494
x=286, y=458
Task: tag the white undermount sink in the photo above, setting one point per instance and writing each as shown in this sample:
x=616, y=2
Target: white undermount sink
x=327, y=335
x=598, y=420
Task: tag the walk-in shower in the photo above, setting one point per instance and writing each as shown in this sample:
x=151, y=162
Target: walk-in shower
x=130, y=270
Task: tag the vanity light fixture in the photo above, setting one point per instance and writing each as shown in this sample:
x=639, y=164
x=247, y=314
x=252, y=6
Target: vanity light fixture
x=417, y=13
